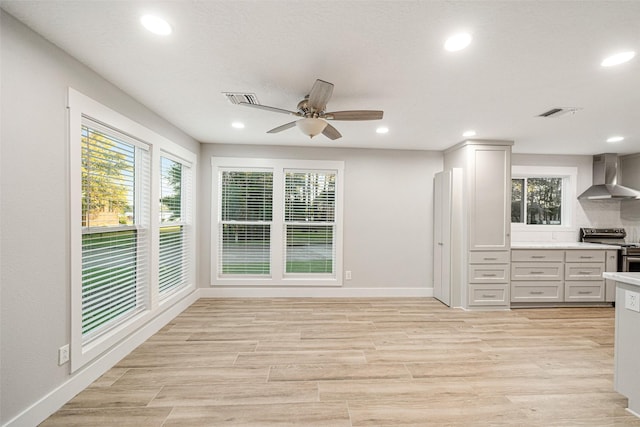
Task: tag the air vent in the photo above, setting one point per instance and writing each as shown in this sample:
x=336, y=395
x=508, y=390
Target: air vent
x=237, y=97
x=559, y=111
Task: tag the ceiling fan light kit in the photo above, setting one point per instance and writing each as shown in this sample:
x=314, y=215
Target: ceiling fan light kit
x=311, y=126
x=313, y=115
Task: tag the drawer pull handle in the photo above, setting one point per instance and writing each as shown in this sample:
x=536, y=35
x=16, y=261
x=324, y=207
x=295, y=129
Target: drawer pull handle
x=488, y=296
x=585, y=292
x=585, y=257
x=489, y=275
x=490, y=259
x=536, y=292
x=538, y=256
x=585, y=273
x=537, y=272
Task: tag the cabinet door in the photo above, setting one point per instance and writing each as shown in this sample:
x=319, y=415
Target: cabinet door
x=489, y=198
x=442, y=237
x=584, y=291
x=489, y=295
x=583, y=271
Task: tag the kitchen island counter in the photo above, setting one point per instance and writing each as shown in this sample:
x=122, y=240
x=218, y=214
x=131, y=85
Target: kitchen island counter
x=627, y=341
x=632, y=279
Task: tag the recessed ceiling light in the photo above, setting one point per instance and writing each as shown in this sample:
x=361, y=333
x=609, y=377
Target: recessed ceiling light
x=615, y=139
x=238, y=125
x=618, y=58
x=156, y=25
x=382, y=129
x=457, y=42
x=469, y=133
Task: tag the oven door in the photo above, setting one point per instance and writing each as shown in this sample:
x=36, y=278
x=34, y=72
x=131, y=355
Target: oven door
x=631, y=263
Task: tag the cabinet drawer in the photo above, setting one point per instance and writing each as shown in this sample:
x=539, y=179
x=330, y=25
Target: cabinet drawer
x=537, y=271
x=489, y=273
x=585, y=256
x=537, y=291
x=584, y=291
x=489, y=295
x=537, y=255
x=488, y=257
x=583, y=271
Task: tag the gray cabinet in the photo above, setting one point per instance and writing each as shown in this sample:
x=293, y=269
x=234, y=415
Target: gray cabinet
x=481, y=222
x=558, y=275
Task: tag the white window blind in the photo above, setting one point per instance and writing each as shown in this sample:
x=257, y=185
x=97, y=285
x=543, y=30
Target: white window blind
x=245, y=220
x=115, y=222
x=309, y=222
x=175, y=222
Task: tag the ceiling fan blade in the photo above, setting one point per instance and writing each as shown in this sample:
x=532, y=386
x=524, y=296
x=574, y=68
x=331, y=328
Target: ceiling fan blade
x=354, y=115
x=320, y=94
x=331, y=132
x=283, y=127
x=266, y=107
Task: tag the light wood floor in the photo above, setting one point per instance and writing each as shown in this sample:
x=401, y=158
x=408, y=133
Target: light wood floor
x=361, y=362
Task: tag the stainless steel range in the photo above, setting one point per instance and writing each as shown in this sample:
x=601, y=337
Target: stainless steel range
x=629, y=253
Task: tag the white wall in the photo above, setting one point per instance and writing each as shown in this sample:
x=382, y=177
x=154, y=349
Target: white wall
x=35, y=317
x=388, y=212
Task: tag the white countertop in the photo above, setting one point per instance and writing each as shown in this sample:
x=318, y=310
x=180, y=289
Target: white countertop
x=560, y=245
x=628, y=278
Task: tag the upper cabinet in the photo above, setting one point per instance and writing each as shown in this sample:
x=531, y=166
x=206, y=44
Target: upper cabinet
x=489, y=182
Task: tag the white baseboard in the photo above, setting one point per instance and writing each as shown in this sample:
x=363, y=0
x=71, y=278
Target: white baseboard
x=311, y=292
x=43, y=408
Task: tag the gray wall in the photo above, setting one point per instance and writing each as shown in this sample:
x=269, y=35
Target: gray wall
x=388, y=210
x=35, y=317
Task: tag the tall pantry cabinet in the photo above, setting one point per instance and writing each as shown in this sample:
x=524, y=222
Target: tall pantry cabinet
x=480, y=223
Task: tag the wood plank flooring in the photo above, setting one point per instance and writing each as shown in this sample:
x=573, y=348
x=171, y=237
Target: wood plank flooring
x=361, y=362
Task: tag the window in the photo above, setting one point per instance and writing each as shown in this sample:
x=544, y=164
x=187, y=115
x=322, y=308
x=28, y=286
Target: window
x=536, y=200
x=131, y=258
x=175, y=222
x=309, y=216
x=246, y=210
x=542, y=196
x=115, y=183
x=277, y=221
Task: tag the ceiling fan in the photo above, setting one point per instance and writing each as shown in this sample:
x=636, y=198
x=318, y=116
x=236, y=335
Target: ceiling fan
x=313, y=115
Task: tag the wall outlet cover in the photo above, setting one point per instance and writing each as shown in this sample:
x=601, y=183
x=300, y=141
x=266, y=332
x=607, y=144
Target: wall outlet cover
x=63, y=354
x=632, y=300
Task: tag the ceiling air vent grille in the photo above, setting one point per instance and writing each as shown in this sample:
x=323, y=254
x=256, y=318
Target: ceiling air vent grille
x=559, y=111
x=237, y=97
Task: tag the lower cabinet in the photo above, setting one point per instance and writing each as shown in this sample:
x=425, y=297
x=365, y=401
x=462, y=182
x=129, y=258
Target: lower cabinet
x=583, y=291
x=532, y=291
x=489, y=295
x=556, y=275
x=489, y=279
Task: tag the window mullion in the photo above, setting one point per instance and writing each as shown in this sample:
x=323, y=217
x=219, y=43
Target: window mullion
x=277, y=247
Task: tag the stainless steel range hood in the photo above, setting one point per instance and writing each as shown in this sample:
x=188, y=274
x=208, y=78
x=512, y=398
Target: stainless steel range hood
x=605, y=181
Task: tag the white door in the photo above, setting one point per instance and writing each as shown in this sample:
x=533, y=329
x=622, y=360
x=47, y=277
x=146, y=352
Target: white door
x=442, y=237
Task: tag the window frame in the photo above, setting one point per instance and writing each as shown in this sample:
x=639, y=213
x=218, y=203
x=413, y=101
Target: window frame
x=79, y=105
x=277, y=241
x=569, y=176
x=187, y=198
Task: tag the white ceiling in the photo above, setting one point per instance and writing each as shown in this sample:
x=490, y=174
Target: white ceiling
x=526, y=57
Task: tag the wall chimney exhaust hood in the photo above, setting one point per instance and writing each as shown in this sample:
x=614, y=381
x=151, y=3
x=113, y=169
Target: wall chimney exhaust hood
x=605, y=181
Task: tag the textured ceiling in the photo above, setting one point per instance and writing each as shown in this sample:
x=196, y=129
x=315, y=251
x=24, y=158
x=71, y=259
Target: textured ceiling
x=526, y=57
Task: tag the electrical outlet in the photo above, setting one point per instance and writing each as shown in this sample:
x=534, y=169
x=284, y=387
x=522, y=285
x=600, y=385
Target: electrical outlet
x=632, y=301
x=63, y=354
x=347, y=275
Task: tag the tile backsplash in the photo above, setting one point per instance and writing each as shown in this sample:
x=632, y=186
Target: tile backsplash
x=591, y=213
